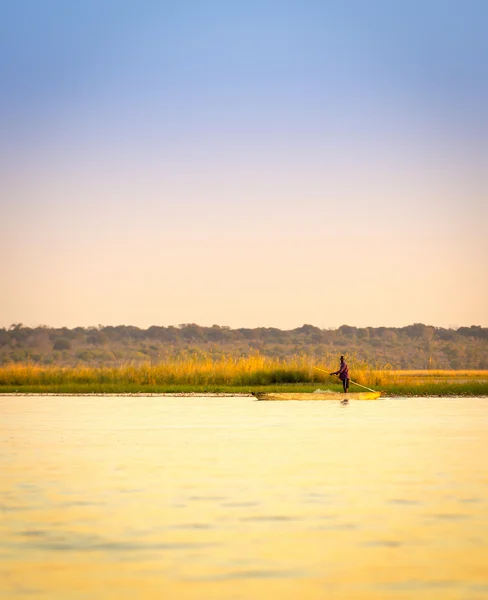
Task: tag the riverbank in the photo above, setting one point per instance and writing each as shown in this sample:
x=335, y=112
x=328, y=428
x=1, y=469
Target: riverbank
x=233, y=376
x=429, y=389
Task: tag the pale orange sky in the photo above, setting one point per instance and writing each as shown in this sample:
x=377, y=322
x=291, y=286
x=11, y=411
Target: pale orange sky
x=242, y=250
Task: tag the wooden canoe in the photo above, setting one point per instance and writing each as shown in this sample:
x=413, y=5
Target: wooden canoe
x=318, y=396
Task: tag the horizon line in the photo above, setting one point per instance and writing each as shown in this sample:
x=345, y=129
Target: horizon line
x=14, y=326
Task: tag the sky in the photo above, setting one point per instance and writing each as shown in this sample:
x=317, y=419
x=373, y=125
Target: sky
x=252, y=164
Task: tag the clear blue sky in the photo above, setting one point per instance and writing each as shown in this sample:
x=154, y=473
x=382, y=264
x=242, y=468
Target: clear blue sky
x=258, y=163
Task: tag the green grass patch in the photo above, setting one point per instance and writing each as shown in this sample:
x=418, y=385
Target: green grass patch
x=103, y=388
x=444, y=388
x=474, y=388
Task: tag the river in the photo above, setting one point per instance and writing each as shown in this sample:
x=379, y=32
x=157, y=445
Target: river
x=228, y=498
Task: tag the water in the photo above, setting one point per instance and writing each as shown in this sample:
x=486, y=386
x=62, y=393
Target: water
x=230, y=498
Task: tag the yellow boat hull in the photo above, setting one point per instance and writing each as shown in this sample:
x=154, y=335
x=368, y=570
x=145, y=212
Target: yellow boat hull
x=318, y=396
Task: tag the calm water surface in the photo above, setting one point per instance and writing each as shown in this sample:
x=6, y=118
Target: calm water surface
x=230, y=498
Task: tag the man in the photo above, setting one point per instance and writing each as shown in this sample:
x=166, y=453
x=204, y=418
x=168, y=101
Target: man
x=343, y=373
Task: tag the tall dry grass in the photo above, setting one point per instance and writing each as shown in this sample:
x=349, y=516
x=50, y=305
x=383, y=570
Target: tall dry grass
x=438, y=375
x=189, y=370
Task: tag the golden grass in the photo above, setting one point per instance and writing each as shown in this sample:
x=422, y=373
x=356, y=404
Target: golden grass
x=227, y=370
x=439, y=374
x=254, y=370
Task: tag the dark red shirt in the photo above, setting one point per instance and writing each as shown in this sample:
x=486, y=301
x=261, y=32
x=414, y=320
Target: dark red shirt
x=344, y=371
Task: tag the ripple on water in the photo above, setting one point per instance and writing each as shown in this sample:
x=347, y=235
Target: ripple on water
x=250, y=574
x=239, y=504
x=261, y=518
x=479, y=588
x=318, y=498
x=77, y=542
x=23, y=590
x=190, y=526
x=336, y=527
x=15, y=507
x=418, y=585
x=382, y=544
x=32, y=533
x=73, y=503
x=450, y=516
x=207, y=498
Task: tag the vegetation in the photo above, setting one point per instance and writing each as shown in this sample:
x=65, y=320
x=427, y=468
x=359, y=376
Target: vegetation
x=416, y=346
x=413, y=360
x=190, y=371
x=233, y=375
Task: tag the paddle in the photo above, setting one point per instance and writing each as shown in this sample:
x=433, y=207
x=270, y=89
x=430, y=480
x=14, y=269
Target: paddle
x=363, y=386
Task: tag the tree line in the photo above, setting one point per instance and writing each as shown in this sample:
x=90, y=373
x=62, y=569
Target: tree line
x=415, y=346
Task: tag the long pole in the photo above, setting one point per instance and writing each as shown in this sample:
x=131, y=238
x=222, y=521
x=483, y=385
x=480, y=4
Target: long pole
x=363, y=386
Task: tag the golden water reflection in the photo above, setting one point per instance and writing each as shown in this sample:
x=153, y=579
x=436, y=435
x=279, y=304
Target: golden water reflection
x=230, y=498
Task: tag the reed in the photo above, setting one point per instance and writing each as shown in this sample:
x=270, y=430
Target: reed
x=439, y=375
x=190, y=370
x=231, y=373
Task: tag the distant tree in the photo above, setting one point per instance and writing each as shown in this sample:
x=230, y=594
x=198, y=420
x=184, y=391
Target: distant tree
x=97, y=338
x=414, y=346
x=215, y=333
x=62, y=344
x=474, y=331
x=307, y=329
x=415, y=331
x=347, y=330
x=192, y=332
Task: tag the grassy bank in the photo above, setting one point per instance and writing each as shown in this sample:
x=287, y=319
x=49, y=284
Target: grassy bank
x=459, y=389
x=234, y=375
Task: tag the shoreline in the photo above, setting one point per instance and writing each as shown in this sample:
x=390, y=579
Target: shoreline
x=210, y=395
x=128, y=394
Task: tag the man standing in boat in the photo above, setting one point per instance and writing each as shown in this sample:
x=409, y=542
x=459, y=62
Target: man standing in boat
x=343, y=373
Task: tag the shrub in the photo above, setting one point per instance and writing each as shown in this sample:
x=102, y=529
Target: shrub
x=62, y=344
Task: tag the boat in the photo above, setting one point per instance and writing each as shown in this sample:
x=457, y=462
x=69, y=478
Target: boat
x=317, y=396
